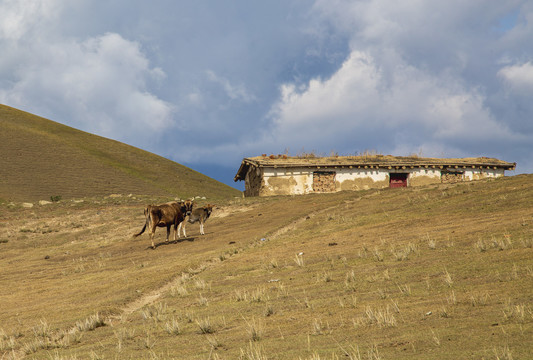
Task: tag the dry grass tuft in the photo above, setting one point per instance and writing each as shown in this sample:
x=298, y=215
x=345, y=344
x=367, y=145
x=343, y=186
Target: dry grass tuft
x=517, y=312
x=479, y=298
x=379, y=317
x=503, y=353
x=350, y=280
x=299, y=260
x=255, y=329
x=253, y=352
x=91, y=323
x=172, y=327
x=448, y=278
x=155, y=312
x=205, y=325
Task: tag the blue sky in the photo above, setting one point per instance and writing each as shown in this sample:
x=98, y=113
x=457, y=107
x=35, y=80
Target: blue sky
x=206, y=83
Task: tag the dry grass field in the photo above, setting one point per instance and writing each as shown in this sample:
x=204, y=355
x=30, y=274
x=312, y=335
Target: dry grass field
x=440, y=272
x=41, y=159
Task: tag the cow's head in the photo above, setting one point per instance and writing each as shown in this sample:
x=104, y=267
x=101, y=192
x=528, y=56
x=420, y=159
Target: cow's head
x=186, y=206
x=209, y=209
x=147, y=209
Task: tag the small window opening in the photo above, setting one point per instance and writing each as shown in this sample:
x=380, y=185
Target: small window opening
x=398, y=180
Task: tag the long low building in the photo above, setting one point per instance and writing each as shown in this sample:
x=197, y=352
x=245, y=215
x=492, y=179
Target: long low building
x=282, y=175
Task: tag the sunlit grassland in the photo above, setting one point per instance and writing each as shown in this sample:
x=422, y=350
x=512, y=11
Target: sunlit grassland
x=440, y=272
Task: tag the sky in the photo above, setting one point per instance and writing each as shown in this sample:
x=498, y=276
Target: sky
x=206, y=83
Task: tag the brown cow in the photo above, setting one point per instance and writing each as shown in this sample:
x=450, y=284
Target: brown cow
x=197, y=215
x=168, y=214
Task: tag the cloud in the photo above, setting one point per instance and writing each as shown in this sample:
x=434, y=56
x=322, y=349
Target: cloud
x=514, y=99
x=98, y=84
x=359, y=103
x=18, y=18
x=437, y=78
x=417, y=77
x=519, y=78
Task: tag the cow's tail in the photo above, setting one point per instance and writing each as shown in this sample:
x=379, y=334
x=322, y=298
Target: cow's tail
x=147, y=213
x=144, y=228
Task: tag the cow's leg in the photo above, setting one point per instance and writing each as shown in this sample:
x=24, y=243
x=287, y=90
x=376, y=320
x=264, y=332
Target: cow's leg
x=202, y=228
x=182, y=227
x=168, y=231
x=152, y=227
x=176, y=234
x=152, y=237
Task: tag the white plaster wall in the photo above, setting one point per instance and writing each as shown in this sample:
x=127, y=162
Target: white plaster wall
x=426, y=172
x=352, y=174
x=302, y=176
x=471, y=173
x=423, y=176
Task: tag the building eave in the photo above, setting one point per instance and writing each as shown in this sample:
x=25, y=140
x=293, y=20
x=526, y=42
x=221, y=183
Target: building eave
x=370, y=162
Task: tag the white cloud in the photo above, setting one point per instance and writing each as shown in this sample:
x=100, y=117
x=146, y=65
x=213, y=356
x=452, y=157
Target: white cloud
x=519, y=78
x=98, y=83
x=18, y=18
x=352, y=89
x=358, y=101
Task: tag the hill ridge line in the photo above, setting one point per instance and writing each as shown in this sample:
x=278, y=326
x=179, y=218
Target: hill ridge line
x=43, y=158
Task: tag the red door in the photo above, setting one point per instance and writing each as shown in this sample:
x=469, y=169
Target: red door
x=398, y=180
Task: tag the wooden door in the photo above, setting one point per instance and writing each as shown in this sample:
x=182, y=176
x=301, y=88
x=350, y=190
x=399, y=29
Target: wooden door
x=398, y=180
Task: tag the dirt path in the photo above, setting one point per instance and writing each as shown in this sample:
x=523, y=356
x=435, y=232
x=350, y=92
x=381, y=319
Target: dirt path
x=153, y=296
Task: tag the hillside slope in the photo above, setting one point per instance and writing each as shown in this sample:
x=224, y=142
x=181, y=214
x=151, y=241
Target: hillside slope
x=41, y=158
x=437, y=272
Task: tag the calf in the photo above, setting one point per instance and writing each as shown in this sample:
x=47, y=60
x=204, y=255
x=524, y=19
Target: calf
x=197, y=215
x=168, y=214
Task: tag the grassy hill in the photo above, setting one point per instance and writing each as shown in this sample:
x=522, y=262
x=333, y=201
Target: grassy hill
x=439, y=272
x=41, y=158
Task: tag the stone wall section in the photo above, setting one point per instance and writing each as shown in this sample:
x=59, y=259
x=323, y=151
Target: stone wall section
x=253, y=182
x=451, y=177
x=324, y=181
